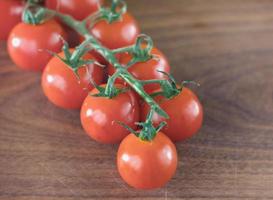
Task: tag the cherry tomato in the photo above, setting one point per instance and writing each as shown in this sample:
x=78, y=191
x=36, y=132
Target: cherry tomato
x=27, y=44
x=117, y=34
x=99, y=116
x=147, y=165
x=61, y=85
x=185, y=112
x=145, y=70
x=10, y=15
x=79, y=9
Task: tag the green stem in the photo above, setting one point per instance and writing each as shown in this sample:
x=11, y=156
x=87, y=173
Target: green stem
x=129, y=49
x=110, y=88
x=80, y=50
x=145, y=82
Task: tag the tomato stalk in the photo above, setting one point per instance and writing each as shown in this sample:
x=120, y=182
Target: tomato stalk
x=112, y=14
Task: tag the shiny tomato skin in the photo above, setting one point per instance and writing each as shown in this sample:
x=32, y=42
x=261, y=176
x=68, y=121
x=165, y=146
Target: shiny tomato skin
x=147, y=165
x=145, y=70
x=99, y=116
x=27, y=44
x=117, y=34
x=10, y=15
x=185, y=112
x=61, y=85
x=79, y=9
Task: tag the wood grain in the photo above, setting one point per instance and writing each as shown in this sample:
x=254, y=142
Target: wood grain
x=227, y=46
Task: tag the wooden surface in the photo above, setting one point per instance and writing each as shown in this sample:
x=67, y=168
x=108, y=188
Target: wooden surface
x=227, y=46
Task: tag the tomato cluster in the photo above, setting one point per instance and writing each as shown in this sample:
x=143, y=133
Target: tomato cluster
x=78, y=82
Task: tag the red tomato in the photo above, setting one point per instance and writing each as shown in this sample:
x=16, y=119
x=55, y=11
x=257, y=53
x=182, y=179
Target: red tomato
x=185, y=112
x=10, y=15
x=147, y=165
x=27, y=44
x=99, y=116
x=79, y=9
x=145, y=70
x=117, y=34
x=62, y=87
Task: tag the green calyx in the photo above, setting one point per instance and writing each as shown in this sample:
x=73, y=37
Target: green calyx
x=74, y=59
x=169, y=87
x=110, y=91
x=148, y=130
x=142, y=49
x=34, y=15
x=114, y=13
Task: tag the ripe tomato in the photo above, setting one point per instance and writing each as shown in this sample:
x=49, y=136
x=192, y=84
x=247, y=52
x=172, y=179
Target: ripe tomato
x=10, y=15
x=185, y=112
x=145, y=70
x=79, y=9
x=99, y=116
x=147, y=165
x=117, y=34
x=27, y=44
x=62, y=87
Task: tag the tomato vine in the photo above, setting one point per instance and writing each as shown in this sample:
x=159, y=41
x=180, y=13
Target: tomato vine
x=141, y=52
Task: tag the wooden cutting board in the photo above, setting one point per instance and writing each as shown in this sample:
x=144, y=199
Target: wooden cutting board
x=226, y=46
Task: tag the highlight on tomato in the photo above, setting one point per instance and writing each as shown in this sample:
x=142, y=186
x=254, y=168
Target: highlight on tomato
x=79, y=9
x=62, y=87
x=10, y=15
x=148, y=70
x=100, y=115
x=147, y=164
x=28, y=44
x=185, y=114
